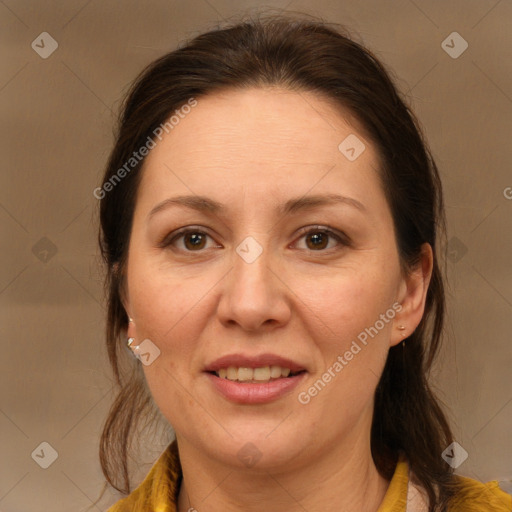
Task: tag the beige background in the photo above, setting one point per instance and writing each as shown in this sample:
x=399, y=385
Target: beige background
x=56, y=135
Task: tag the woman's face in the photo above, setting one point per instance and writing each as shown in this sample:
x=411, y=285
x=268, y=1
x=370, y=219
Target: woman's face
x=250, y=280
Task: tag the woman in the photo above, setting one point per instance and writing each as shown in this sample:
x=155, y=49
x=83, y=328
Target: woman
x=269, y=219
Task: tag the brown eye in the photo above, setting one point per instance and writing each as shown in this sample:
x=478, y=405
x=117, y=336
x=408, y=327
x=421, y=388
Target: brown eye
x=194, y=240
x=317, y=239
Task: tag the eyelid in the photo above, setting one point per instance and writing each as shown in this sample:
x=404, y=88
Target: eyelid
x=326, y=229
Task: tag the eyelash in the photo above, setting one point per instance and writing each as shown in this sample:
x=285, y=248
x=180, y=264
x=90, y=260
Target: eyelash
x=341, y=238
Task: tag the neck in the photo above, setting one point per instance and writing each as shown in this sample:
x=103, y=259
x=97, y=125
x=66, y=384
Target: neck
x=343, y=477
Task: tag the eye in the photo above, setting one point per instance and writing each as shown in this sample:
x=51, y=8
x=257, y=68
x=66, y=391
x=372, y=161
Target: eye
x=319, y=237
x=193, y=239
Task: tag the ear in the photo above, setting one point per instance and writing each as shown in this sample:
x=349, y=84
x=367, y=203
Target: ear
x=125, y=301
x=412, y=296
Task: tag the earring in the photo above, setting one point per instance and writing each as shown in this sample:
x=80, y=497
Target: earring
x=401, y=328
x=135, y=348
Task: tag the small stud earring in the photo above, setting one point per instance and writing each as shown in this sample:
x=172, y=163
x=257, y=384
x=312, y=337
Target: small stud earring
x=401, y=327
x=135, y=348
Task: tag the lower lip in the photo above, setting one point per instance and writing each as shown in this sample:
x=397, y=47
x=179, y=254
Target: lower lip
x=252, y=393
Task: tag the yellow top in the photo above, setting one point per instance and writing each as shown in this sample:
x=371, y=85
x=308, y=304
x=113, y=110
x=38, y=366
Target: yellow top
x=159, y=490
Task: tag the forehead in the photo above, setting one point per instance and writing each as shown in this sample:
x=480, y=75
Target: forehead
x=259, y=138
x=270, y=120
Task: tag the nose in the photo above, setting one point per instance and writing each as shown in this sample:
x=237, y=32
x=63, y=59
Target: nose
x=253, y=293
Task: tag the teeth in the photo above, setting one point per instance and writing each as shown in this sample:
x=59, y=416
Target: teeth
x=244, y=373
x=259, y=373
x=263, y=374
x=275, y=372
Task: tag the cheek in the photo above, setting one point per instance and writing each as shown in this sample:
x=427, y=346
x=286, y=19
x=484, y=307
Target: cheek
x=166, y=312
x=348, y=302
x=169, y=313
x=351, y=335
x=160, y=300
x=353, y=341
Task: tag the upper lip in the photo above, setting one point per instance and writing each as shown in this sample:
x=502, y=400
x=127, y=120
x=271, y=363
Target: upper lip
x=258, y=361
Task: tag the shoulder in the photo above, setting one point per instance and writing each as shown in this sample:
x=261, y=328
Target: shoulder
x=469, y=495
x=475, y=496
x=159, y=490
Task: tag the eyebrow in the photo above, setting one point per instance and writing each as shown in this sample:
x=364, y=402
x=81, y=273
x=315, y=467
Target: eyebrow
x=208, y=205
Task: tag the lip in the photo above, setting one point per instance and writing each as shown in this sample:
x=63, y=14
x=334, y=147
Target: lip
x=258, y=361
x=254, y=393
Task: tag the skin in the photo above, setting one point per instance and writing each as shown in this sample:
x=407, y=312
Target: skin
x=252, y=150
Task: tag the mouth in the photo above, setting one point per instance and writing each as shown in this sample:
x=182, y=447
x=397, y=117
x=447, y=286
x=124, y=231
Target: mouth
x=259, y=375
x=254, y=386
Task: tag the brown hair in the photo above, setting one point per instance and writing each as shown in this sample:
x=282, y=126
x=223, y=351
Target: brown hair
x=302, y=55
